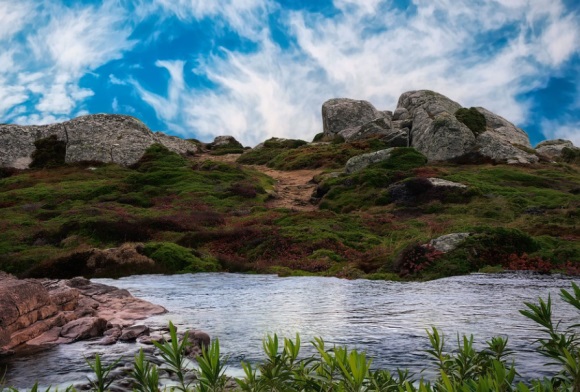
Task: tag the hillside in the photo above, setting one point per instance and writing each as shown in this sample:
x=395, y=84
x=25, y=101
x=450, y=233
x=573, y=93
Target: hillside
x=200, y=214
x=355, y=203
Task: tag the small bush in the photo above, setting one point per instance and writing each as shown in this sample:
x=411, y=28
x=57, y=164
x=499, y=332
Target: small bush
x=473, y=119
x=177, y=258
x=284, y=143
x=338, y=139
x=415, y=258
x=50, y=152
x=318, y=137
x=245, y=189
x=402, y=159
x=571, y=155
x=494, y=246
x=6, y=172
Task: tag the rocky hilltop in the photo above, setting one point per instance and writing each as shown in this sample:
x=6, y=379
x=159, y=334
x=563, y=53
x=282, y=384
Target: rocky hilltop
x=430, y=189
x=435, y=125
x=99, y=137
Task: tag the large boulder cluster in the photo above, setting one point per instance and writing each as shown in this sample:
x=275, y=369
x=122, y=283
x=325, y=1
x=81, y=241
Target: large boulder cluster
x=438, y=127
x=99, y=137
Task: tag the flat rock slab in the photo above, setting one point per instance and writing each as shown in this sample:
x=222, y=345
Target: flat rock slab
x=84, y=328
x=132, y=333
x=42, y=312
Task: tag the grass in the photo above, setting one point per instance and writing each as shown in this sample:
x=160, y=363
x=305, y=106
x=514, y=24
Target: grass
x=302, y=156
x=207, y=216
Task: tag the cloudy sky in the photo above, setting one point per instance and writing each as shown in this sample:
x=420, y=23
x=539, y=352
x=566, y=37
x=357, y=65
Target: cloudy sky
x=260, y=68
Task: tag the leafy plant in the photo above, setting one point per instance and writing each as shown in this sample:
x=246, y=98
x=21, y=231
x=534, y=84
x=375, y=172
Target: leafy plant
x=173, y=353
x=102, y=381
x=211, y=369
x=561, y=346
x=144, y=374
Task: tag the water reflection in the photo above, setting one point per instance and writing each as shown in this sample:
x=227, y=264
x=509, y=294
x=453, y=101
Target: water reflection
x=387, y=319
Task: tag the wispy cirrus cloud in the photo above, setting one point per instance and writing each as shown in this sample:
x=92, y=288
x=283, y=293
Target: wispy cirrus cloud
x=261, y=68
x=58, y=47
x=486, y=53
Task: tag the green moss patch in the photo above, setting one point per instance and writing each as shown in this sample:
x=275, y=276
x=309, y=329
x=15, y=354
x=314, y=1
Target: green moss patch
x=473, y=119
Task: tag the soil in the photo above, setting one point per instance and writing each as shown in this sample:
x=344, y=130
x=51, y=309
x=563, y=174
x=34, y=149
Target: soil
x=293, y=189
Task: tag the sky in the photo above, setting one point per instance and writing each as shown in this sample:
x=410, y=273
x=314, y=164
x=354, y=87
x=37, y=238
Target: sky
x=255, y=69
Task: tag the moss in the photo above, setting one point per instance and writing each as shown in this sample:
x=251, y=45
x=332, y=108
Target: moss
x=270, y=149
x=571, y=155
x=473, y=119
x=176, y=258
x=318, y=137
x=368, y=187
x=50, y=152
x=440, y=122
x=284, y=143
x=323, y=156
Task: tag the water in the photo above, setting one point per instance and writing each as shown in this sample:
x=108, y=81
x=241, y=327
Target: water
x=387, y=319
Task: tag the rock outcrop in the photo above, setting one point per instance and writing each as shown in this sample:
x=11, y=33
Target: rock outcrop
x=362, y=161
x=552, y=149
x=438, y=133
x=224, y=142
x=418, y=189
x=39, y=312
x=358, y=120
x=448, y=242
x=94, y=262
x=504, y=130
x=492, y=148
x=431, y=123
x=339, y=114
x=99, y=137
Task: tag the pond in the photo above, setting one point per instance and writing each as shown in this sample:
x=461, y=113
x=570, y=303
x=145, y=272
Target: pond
x=386, y=319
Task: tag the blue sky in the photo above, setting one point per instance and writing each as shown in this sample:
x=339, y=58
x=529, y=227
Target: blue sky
x=260, y=68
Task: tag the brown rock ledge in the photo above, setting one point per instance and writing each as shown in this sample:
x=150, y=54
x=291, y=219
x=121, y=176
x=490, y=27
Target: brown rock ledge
x=46, y=312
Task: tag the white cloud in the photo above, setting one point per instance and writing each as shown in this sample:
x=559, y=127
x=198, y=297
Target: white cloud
x=374, y=52
x=55, y=52
x=78, y=39
x=116, y=81
x=568, y=130
x=14, y=15
x=168, y=107
x=244, y=16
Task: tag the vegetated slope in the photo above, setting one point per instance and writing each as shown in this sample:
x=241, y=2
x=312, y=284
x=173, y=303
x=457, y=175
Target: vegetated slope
x=207, y=215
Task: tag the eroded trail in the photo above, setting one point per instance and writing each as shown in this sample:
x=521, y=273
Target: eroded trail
x=293, y=189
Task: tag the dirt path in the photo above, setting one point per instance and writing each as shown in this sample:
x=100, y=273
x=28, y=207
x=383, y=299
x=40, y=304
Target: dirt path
x=293, y=188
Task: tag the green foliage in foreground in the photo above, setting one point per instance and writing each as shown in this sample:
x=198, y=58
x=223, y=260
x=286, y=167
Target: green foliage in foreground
x=464, y=369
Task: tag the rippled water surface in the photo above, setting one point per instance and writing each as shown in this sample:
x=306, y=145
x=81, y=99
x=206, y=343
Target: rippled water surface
x=387, y=319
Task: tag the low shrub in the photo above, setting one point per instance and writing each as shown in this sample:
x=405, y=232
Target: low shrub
x=318, y=137
x=571, y=155
x=6, y=172
x=490, y=247
x=473, y=119
x=50, y=152
x=176, y=258
x=415, y=258
x=108, y=231
x=245, y=189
